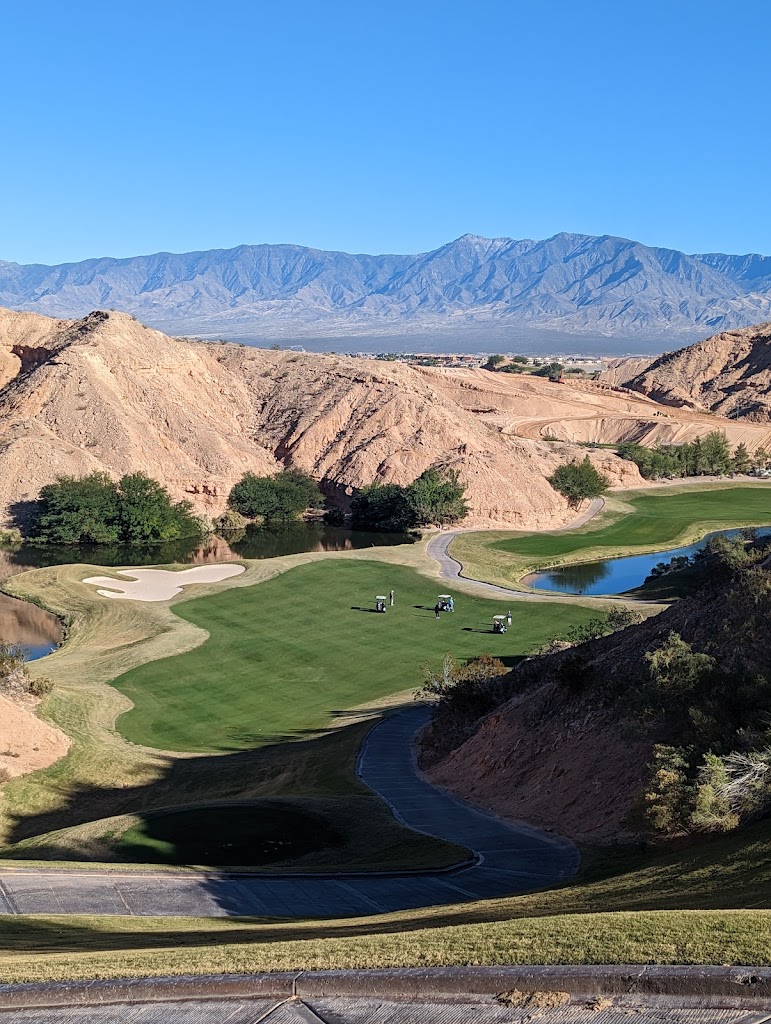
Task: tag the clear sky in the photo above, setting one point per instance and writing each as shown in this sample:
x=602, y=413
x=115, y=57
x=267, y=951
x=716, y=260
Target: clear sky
x=381, y=125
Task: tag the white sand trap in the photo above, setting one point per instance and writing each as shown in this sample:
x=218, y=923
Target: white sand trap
x=160, y=584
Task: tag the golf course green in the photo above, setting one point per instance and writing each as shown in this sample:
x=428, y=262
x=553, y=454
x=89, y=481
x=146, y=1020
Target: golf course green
x=285, y=656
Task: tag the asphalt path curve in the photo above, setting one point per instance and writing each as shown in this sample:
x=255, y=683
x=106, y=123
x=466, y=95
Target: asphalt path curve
x=508, y=859
x=450, y=568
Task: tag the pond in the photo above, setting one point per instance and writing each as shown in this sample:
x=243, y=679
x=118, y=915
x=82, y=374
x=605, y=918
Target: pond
x=39, y=632
x=615, y=575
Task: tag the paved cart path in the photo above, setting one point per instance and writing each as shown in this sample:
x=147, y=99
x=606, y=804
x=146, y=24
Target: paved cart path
x=438, y=548
x=509, y=859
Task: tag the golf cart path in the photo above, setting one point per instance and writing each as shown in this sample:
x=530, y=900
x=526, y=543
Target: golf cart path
x=438, y=548
x=509, y=859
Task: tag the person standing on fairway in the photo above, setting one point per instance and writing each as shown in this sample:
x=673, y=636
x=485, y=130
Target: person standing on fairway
x=391, y=597
x=508, y=617
x=437, y=609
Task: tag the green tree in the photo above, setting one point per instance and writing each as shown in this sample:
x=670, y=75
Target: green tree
x=382, y=507
x=760, y=458
x=280, y=497
x=549, y=370
x=715, y=454
x=147, y=514
x=437, y=497
x=741, y=460
x=493, y=362
x=76, y=510
x=577, y=481
x=95, y=510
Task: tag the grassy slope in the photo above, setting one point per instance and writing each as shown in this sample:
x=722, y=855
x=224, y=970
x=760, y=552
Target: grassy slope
x=286, y=655
x=625, y=913
x=632, y=523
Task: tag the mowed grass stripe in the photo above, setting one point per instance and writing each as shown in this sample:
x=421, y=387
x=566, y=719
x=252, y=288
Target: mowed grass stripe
x=285, y=655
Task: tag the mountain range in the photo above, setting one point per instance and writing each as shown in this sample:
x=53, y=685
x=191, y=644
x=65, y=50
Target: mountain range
x=571, y=292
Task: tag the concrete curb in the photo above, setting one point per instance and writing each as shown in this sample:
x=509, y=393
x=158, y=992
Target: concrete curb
x=728, y=987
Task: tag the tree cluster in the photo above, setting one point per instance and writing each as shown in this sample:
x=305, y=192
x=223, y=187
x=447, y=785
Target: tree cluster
x=577, y=481
x=277, y=498
x=94, y=509
x=706, y=456
x=436, y=497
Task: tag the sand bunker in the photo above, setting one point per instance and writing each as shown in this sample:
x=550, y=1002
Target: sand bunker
x=160, y=584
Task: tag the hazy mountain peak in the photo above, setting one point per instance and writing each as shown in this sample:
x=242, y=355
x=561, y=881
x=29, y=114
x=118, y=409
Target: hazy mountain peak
x=602, y=286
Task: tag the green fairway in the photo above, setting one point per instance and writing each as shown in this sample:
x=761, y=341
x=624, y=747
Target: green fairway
x=286, y=655
x=632, y=523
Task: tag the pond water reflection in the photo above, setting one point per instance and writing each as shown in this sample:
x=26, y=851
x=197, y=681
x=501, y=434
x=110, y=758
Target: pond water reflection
x=616, y=575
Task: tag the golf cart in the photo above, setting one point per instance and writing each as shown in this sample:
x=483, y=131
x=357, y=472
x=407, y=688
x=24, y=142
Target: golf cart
x=499, y=624
x=446, y=603
x=380, y=603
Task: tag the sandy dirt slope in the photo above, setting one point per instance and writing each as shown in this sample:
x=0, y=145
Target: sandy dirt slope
x=26, y=742
x=572, y=770
x=728, y=374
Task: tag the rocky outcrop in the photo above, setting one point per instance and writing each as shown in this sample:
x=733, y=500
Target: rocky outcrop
x=728, y=374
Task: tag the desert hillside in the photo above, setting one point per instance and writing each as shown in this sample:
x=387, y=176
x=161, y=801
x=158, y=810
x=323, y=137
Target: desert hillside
x=728, y=374
x=107, y=393
x=571, y=747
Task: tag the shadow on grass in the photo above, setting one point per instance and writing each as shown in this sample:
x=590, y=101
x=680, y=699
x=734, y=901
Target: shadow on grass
x=317, y=763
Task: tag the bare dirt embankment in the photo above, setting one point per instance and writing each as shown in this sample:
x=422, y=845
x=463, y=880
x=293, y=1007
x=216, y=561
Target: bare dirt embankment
x=27, y=743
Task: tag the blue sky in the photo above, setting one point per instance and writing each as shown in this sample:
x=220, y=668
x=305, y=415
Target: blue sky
x=381, y=125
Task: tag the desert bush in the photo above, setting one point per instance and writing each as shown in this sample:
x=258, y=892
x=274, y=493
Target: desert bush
x=40, y=686
x=577, y=481
x=668, y=797
x=231, y=522
x=461, y=695
x=277, y=498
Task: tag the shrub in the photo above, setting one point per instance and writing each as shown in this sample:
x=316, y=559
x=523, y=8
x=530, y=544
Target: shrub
x=435, y=497
x=461, y=695
x=668, y=796
x=40, y=686
x=231, y=521
x=279, y=497
x=577, y=481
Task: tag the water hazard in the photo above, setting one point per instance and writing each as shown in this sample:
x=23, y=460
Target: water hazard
x=615, y=575
x=39, y=632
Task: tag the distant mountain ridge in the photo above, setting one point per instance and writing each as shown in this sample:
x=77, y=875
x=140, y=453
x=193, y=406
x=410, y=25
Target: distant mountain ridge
x=581, y=285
